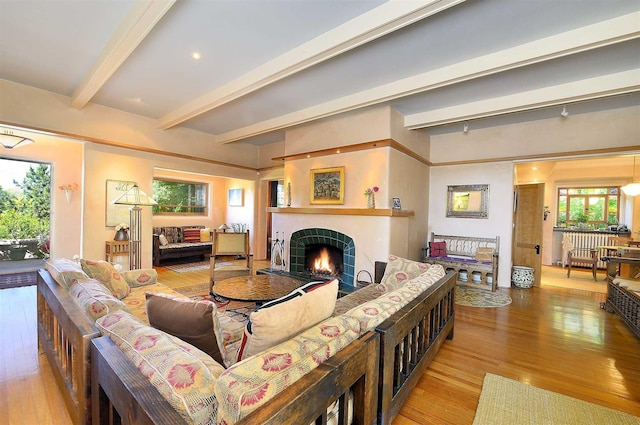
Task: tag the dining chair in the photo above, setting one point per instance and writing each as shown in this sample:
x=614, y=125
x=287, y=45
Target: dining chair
x=230, y=256
x=585, y=257
x=619, y=241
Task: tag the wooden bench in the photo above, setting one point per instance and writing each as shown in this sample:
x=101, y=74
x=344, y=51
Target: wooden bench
x=475, y=260
x=623, y=292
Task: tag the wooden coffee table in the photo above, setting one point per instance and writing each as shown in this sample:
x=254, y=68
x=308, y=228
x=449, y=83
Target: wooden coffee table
x=258, y=288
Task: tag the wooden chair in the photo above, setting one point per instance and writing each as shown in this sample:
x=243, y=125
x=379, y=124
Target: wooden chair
x=583, y=257
x=230, y=256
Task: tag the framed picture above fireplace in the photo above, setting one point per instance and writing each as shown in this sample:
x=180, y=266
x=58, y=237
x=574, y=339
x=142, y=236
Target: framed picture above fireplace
x=327, y=186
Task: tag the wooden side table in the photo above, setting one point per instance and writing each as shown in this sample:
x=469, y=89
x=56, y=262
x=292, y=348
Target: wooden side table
x=116, y=249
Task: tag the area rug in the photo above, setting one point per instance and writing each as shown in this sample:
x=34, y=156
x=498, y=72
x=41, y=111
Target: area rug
x=480, y=298
x=17, y=280
x=507, y=402
x=189, y=267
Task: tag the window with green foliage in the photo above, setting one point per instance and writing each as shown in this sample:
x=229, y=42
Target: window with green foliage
x=179, y=197
x=591, y=207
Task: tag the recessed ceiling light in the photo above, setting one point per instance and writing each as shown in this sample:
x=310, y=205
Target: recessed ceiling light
x=196, y=56
x=534, y=168
x=134, y=100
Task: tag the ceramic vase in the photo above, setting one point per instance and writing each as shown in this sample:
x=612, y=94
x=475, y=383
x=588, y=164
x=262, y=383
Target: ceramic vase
x=371, y=200
x=121, y=235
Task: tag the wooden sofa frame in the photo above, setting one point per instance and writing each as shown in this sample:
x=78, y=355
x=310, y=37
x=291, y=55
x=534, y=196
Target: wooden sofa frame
x=466, y=248
x=64, y=335
x=620, y=300
x=122, y=395
x=410, y=339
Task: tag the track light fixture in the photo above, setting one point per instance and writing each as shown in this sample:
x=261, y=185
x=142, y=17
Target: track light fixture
x=564, y=113
x=465, y=127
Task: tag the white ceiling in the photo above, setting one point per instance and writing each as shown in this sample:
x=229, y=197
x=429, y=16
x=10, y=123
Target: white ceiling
x=269, y=65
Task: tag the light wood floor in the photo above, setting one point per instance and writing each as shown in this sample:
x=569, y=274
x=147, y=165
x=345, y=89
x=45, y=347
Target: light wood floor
x=554, y=338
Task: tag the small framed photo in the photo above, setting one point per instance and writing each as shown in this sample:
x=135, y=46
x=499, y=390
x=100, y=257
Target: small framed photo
x=396, y=204
x=235, y=198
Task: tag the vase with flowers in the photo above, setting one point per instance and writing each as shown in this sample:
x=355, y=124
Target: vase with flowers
x=370, y=193
x=122, y=232
x=68, y=190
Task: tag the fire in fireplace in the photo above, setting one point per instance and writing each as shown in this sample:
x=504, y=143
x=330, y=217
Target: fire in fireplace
x=323, y=260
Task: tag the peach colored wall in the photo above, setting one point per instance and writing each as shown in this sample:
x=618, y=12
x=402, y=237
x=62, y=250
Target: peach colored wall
x=105, y=162
x=31, y=107
x=65, y=157
x=499, y=177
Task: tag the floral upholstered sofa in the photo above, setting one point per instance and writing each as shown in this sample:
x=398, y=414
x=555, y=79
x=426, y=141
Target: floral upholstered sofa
x=304, y=357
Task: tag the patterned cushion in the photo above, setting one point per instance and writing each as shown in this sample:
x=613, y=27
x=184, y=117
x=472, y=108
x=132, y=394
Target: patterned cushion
x=94, y=298
x=251, y=383
x=195, y=322
x=64, y=271
x=400, y=270
x=184, y=375
x=205, y=235
x=356, y=298
x=143, y=277
x=279, y=320
x=136, y=302
x=484, y=254
x=106, y=274
x=437, y=249
x=191, y=235
x=372, y=313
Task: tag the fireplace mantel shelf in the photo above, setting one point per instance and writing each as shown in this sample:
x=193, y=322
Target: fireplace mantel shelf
x=379, y=212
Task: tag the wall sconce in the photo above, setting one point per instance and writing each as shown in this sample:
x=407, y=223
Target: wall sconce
x=68, y=190
x=546, y=212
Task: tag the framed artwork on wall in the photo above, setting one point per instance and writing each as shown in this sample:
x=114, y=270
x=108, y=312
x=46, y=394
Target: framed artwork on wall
x=327, y=186
x=396, y=204
x=468, y=201
x=116, y=214
x=236, y=198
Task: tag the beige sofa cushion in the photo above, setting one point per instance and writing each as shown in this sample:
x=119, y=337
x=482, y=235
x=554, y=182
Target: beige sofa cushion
x=138, y=278
x=181, y=373
x=94, y=298
x=281, y=319
x=64, y=271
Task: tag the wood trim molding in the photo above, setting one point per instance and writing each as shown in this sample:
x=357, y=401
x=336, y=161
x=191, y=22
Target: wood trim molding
x=379, y=212
x=355, y=148
x=541, y=157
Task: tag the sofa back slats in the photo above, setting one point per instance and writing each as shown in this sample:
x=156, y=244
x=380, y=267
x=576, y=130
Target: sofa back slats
x=409, y=342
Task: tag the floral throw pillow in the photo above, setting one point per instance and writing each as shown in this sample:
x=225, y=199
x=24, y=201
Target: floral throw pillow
x=399, y=271
x=106, y=274
x=142, y=277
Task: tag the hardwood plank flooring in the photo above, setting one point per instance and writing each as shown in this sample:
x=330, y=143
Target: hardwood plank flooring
x=554, y=338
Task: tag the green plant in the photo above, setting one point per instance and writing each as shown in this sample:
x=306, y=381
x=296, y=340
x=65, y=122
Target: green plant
x=581, y=217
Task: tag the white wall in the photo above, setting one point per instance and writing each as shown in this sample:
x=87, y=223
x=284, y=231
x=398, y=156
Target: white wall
x=499, y=177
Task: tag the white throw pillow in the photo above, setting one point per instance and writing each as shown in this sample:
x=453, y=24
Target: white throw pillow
x=281, y=319
x=163, y=240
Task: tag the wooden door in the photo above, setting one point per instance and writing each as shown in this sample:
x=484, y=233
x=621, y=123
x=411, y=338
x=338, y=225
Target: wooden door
x=527, y=230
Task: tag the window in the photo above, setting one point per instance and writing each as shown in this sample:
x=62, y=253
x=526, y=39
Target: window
x=593, y=208
x=179, y=197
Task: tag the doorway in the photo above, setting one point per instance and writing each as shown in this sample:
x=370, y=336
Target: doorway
x=25, y=211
